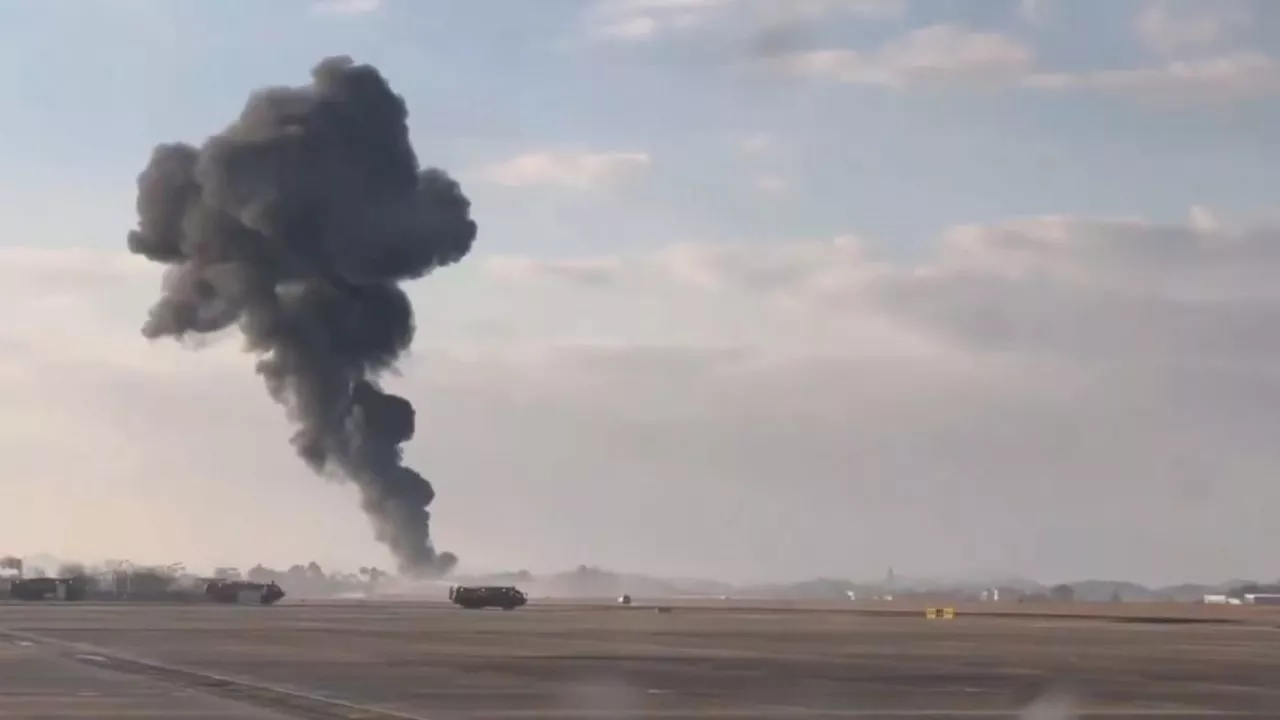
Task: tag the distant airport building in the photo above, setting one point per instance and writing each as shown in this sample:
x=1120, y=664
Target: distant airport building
x=1221, y=600
x=1262, y=599
x=10, y=572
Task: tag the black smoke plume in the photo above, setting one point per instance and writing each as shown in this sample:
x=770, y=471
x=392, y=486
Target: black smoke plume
x=297, y=222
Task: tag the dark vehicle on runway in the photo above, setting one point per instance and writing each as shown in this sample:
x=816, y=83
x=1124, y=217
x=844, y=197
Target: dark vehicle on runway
x=476, y=597
x=240, y=591
x=49, y=589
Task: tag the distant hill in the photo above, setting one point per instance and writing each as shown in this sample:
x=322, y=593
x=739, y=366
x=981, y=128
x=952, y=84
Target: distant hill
x=596, y=582
x=1190, y=592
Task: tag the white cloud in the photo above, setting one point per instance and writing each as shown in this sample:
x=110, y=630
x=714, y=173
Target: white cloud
x=632, y=28
x=1101, y=390
x=1037, y=12
x=624, y=7
x=590, y=271
x=579, y=170
x=1202, y=219
x=772, y=184
x=937, y=53
x=346, y=7
x=633, y=20
x=758, y=143
x=795, y=9
x=1000, y=389
x=1199, y=62
x=1169, y=27
x=761, y=151
x=1220, y=78
x=643, y=19
x=953, y=54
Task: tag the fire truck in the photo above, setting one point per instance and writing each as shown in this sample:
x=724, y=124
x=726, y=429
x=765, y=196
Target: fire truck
x=240, y=591
x=477, y=597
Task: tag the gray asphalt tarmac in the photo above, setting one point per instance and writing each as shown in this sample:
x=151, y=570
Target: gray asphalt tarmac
x=39, y=682
x=397, y=660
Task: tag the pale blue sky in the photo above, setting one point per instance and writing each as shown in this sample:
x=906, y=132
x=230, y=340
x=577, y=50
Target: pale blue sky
x=623, y=387
x=97, y=82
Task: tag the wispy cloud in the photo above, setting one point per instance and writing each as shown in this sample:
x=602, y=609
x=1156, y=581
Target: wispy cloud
x=1037, y=12
x=579, y=170
x=346, y=7
x=1044, y=362
x=936, y=53
x=636, y=20
x=639, y=27
x=772, y=184
x=1217, y=79
x=643, y=19
x=757, y=143
x=1169, y=27
x=958, y=55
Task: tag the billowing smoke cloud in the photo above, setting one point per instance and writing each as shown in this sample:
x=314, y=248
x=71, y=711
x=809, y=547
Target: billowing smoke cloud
x=297, y=222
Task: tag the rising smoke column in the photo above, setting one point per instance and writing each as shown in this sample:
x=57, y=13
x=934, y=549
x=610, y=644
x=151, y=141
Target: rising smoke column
x=297, y=222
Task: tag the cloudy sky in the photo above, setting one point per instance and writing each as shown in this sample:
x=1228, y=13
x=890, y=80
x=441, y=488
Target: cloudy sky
x=763, y=288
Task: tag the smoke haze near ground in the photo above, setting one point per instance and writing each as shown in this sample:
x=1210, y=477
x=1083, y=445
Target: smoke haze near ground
x=298, y=222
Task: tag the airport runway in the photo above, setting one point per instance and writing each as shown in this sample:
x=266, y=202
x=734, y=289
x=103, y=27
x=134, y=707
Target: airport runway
x=397, y=660
x=38, y=683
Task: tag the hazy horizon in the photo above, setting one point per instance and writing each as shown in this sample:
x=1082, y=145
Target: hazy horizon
x=49, y=564
x=762, y=288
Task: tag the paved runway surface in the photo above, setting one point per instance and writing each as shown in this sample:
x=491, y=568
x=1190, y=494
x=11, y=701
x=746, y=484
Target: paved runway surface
x=394, y=660
x=36, y=683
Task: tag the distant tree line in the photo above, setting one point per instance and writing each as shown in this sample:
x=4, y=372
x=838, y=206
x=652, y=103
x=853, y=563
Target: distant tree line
x=122, y=577
x=309, y=579
x=125, y=578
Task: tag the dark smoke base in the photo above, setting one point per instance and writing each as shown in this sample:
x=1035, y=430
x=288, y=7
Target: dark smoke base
x=298, y=222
